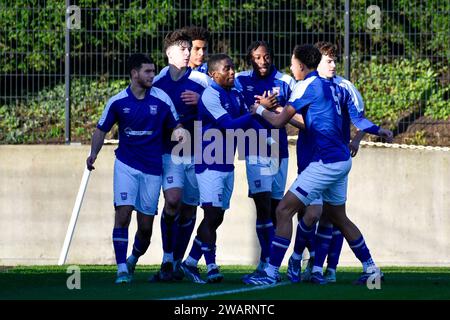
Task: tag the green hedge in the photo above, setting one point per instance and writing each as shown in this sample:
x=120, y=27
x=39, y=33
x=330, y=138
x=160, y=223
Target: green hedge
x=32, y=37
x=42, y=119
x=391, y=91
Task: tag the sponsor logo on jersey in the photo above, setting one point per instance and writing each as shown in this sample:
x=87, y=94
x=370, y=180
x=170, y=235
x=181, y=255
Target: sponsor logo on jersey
x=126, y=110
x=250, y=88
x=129, y=132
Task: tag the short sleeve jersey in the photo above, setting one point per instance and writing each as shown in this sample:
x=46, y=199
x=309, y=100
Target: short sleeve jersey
x=141, y=124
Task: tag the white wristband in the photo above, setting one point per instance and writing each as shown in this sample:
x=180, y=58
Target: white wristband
x=260, y=110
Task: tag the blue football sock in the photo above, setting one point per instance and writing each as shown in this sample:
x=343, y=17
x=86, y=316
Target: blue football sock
x=304, y=234
x=120, y=242
x=168, y=231
x=361, y=252
x=209, y=252
x=140, y=246
x=265, y=232
x=278, y=250
x=335, y=249
x=196, y=251
x=183, y=237
x=322, y=244
x=311, y=243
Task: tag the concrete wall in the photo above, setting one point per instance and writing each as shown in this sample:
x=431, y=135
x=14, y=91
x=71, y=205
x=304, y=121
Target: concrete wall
x=399, y=198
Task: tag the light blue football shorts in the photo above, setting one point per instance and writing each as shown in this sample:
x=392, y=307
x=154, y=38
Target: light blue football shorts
x=264, y=175
x=179, y=172
x=216, y=188
x=135, y=188
x=328, y=180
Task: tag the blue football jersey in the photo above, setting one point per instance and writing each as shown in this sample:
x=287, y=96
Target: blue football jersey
x=203, y=68
x=250, y=84
x=191, y=80
x=352, y=108
x=316, y=100
x=218, y=110
x=141, y=123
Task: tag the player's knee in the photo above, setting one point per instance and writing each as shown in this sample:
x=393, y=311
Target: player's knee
x=122, y=216
x=283, y=213
x=187, y=212
x=172, y=203
x=145, y=231
x=312, y=215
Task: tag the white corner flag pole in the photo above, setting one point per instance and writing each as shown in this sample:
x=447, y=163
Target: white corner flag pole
x=74, y=217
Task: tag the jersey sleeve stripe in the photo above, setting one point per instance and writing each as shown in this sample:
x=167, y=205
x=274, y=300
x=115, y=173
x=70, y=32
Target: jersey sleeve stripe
x=122, y=94
x=286, y=78
x=161, y=74
x=300, y=88
x=161, y=95
x=211, y=101
x=201, y=78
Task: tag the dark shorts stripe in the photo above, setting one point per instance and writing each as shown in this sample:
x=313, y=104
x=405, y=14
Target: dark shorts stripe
x=207, y=204
x=301, y=191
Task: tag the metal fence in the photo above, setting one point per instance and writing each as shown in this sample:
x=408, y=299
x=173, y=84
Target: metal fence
x=61, y=59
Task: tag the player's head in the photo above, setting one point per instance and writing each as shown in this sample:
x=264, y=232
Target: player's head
x=177, y=46
x=200, y=40
x=260, y=56
x=327, y=65
x=305, y=58
x=221, y=69
x=141, y=69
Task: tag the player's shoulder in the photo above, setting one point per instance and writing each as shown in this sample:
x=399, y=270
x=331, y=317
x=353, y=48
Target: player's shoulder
x=244, y=74
x=211, y=96
x=285, y=78
x=310, y=82
x=161, y=95
x=309, y=85
x=209, y=92
x=118, y=97
x=200, y=78
x=163, y=73
x=343, y=82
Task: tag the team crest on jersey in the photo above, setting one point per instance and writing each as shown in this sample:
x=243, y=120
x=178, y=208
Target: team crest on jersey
x=126, y=110
x=219, y=196
x=169, y=179
x=276, y=90
x=153, y=109
x=258, y=183
x=124, y=195
x=250, y=88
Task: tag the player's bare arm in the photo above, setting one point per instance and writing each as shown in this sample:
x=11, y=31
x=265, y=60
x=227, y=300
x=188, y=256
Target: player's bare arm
x=97, y=143
x=297, y=120
x=277, y=120
x=354, y=144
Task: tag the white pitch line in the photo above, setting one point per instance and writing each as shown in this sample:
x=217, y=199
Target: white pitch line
x=217, y=293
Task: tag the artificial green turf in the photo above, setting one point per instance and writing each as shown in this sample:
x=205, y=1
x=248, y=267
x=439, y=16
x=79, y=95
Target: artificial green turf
x=97, y=282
